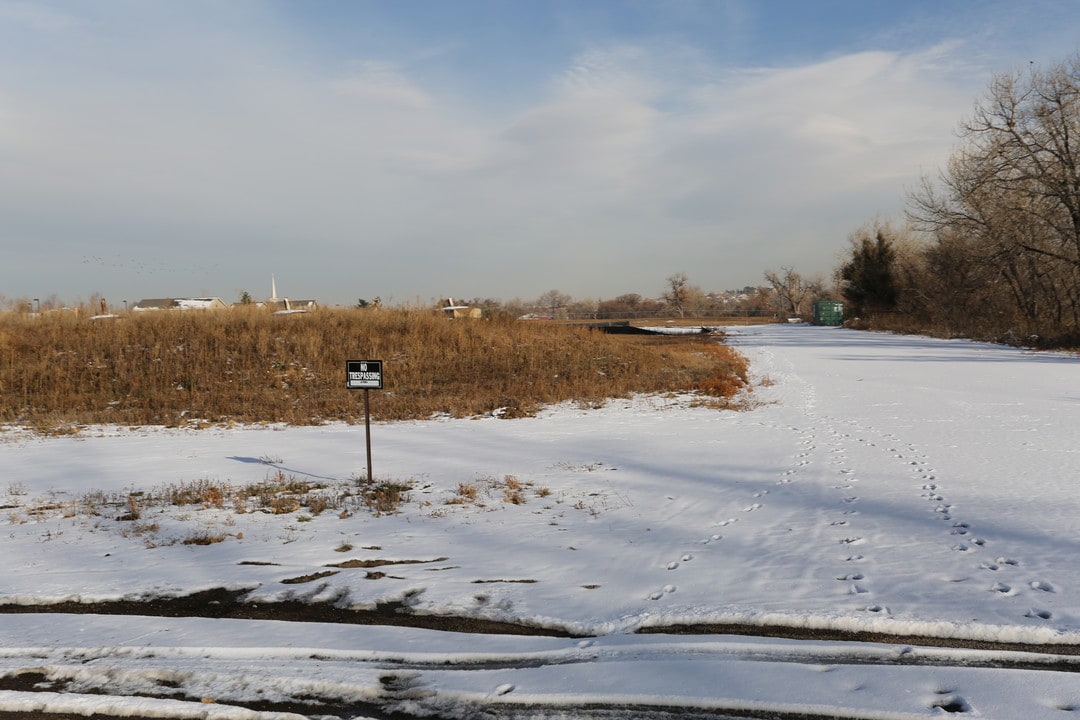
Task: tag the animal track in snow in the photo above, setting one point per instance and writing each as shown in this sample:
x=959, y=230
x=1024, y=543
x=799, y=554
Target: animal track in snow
x=949, y=702
x=752, y=508
x=1040, y=585
x=666, y=590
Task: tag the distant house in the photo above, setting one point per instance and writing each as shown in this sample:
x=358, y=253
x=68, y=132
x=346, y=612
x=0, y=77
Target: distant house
x=452, y=310
x=285, y=305
x=281, y=306
x=214, y=303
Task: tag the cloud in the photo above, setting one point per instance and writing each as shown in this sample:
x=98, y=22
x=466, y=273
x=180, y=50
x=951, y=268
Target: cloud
x=795, y=137
x=36, y=17
x=641, y=159
x=382, y=84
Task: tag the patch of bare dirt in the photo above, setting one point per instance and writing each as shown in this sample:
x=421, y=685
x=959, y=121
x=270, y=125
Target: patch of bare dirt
x=222, y=603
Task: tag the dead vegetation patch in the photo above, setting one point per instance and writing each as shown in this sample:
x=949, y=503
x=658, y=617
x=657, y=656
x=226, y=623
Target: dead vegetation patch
x=226, y=603
x=489, y=489
x=354, y=563
x=311, y=577
x=522, y=582
x=60, y=373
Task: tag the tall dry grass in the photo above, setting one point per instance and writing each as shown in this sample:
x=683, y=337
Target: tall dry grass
x=171, y=368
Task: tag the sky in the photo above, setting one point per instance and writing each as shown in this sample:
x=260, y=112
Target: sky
x=480, y=148
x=917, y=488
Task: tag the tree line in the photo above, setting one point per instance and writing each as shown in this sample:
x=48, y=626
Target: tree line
x=679, y=298
x=990, y=246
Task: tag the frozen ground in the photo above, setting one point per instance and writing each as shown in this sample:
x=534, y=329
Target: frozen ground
x=886, y=485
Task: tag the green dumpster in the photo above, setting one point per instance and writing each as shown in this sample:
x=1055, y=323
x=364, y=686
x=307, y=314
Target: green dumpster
x=828, y=312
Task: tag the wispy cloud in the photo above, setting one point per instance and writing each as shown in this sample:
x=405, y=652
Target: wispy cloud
x=166, y=132
x=382, y=84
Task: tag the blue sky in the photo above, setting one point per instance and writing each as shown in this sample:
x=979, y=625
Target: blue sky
x=416, y=149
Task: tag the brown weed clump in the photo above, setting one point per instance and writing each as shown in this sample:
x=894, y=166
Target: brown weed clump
x=193, y=368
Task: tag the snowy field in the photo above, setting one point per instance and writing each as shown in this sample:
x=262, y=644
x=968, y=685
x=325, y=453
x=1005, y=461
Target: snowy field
x=920, y=489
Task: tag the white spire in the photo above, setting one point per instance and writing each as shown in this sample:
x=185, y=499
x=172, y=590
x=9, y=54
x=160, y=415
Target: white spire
x=273, y=288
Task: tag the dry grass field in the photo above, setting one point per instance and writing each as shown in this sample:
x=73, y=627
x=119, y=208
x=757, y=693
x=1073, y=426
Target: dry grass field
x=191, y=368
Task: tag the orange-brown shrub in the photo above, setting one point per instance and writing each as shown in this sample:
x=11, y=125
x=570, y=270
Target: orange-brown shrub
x=732, y=373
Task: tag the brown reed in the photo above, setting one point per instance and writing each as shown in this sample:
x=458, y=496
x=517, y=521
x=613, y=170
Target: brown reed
x=173, y=367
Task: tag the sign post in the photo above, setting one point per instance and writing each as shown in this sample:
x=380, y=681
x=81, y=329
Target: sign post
x=365, y=375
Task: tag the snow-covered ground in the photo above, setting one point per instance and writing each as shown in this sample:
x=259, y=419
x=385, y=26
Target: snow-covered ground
x=882, y=484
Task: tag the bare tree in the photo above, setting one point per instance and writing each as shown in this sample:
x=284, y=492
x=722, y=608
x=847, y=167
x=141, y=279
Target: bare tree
x=677, y=293
x=631, y=301
x=553, y=301
x=1008, y=203
x=790, y=289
